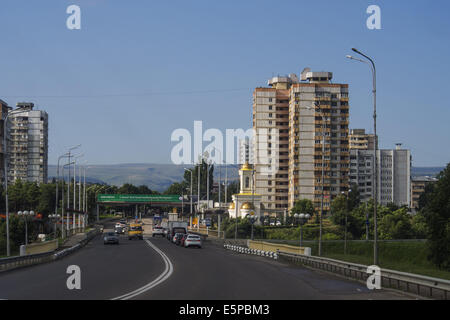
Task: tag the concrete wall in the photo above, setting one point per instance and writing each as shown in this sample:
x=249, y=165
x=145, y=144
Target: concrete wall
x=274, y=247
x=35, y=248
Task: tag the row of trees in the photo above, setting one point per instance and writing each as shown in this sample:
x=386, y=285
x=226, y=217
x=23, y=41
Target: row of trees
x=184, y=186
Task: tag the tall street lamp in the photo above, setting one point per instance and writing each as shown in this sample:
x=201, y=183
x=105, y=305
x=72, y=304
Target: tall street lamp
x=5, y=162
x=190, y=171
x=323, y=176
x=346, y=214
x=375, y=146
x=57, y=181
x=252, y=218
x=55, y=217
x=68, y=184
x=25, y=214
x=68, y=204
x=302, y=219
x=75, y=189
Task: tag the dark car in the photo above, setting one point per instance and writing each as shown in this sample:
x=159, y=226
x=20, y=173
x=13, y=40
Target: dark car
x=177, y=238
x=111, y=237
x=182, y=239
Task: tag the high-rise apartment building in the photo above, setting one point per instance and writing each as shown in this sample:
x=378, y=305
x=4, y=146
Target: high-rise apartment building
x=292, y=119
x=28, y=145
x=361, y=140
x=394, y=176
x=361, y=172
x=4, y=108
x=246, y=151
x=418, y=185
x=271, y=142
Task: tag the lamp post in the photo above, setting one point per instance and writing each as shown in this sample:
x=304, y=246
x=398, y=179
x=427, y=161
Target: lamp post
x=252, y=221
x=75, y=189
x=346, y=214
x=5, y=162
x=57, y=183
x=322, y=179
x=190, y=171
x=198, y=196
x=68, y=184
x=375, y=146
x=25, y=214
x=55, y=217
x=301, y=219
x=236, y=216
x=68, y=204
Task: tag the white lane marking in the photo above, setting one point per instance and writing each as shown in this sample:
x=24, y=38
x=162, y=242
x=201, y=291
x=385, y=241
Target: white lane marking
x=161, y=278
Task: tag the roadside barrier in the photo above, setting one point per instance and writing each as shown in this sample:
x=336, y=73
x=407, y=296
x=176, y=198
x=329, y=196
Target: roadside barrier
x=32, y=259
x=408, y=282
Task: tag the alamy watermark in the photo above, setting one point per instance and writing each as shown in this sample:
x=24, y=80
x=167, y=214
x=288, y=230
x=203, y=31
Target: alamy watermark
x=374, y=20
x=74, y=280
x=227, y=148
x=73, y=22
x=374, y=279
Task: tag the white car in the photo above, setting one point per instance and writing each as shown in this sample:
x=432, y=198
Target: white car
x=158, y=231
x=193, y=240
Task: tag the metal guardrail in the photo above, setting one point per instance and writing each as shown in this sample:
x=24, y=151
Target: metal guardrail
x=32, y=259
x=22, y=261
x=412, y=283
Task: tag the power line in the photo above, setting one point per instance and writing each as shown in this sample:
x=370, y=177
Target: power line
x=142, y=94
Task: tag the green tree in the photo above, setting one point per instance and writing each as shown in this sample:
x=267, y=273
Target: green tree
x=354, y=197
x=419, y=226
x=436, y=209
x=203, y=168
x=128, y=188
x=178, y=188
x=303, y=206
x=355, y=218
x=47, y=198
x=396, y=225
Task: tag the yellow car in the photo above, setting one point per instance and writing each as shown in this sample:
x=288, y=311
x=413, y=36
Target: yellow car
x=135, y=231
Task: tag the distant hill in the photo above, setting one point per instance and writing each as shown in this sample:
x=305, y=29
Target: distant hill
x=426, y=171
x=157, y=177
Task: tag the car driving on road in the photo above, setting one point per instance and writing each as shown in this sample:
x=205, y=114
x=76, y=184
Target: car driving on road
x=135, y=231
x=111, y=237
x=193, y=240
x=157, y=231
x=177, y=237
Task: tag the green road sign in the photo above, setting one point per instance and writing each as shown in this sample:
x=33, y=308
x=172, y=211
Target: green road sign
x=138, y=198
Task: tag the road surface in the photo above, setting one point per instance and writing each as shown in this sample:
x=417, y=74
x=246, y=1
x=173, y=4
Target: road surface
x=158, y=269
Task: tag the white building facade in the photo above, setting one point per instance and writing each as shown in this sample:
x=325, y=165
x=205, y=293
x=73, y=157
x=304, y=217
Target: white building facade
x=28, y=144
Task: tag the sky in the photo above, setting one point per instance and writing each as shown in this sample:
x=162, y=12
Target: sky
x=137, y=70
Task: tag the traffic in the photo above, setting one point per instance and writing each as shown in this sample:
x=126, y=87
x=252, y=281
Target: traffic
x=174, y=231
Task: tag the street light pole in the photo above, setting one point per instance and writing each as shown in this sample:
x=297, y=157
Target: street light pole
x=57, y=183
x=198, y=197
x=190, y=171
x=63, y=209
x=74, y=191
x=375, y=148
x=5, y=162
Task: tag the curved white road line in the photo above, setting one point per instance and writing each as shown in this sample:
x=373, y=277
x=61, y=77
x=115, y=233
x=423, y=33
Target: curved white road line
x=161, y=278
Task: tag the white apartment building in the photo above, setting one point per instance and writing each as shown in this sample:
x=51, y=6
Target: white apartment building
x=394, y=175
x=28, y=144
x=246, y=151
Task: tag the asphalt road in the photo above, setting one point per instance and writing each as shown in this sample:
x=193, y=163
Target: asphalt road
x=209, y=273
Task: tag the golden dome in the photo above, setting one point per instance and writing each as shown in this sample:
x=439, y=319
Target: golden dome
x=232, y=206
x=247, y=206
x=246, y=166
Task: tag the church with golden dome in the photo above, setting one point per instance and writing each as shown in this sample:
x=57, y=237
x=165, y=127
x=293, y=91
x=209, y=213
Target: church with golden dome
x=246, y=202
